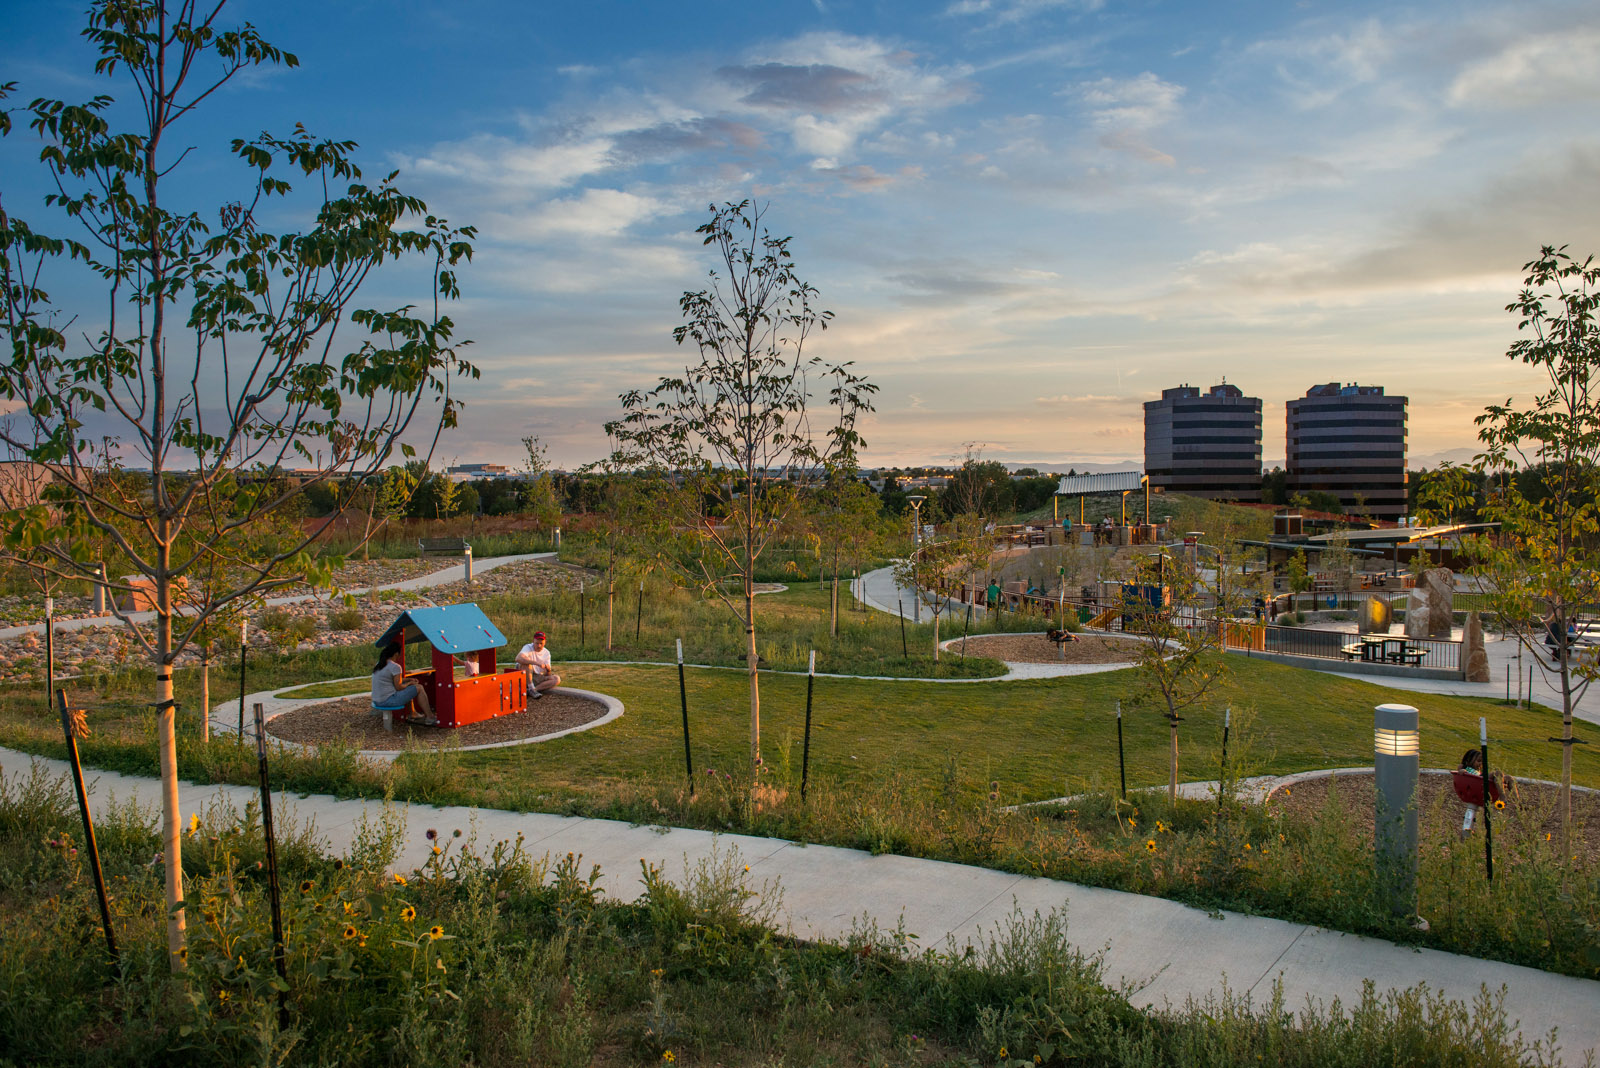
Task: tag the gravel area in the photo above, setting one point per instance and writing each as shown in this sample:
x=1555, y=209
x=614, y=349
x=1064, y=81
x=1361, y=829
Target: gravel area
x=351, y=719
x=1037, y=649
x=1439, y=810
x=529, y=576
x=100, y=648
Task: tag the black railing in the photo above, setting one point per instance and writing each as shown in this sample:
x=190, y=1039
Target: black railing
x=1394, y=649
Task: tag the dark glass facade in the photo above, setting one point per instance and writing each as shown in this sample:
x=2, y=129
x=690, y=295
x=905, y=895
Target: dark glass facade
x=1204, y=444
x=1349, y=441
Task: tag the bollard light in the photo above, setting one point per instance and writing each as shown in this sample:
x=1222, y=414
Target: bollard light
x=1396, y=745
x=467, y=553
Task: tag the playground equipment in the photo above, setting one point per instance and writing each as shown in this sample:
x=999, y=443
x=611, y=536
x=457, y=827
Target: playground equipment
x=459, y=630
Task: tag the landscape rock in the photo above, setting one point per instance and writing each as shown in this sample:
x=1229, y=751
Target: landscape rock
x=1440, y=582
x=1474, y=658
x=1375, y=616
x=1417, y=612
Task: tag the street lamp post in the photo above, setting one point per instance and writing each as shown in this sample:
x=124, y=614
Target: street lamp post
x=916, y=556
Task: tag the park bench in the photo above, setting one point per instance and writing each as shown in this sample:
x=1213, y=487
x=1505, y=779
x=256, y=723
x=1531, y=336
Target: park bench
x=443, y=546
x=1377, y=650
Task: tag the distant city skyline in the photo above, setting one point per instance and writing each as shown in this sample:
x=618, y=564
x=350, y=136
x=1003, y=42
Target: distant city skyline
x=1029, y=216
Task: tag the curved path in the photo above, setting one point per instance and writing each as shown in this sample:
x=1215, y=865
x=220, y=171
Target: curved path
x=454, y=573
x=1166, y=951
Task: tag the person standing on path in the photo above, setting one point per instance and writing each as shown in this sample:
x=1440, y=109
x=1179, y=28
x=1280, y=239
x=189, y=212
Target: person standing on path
x=534, y=660
x=994, y=597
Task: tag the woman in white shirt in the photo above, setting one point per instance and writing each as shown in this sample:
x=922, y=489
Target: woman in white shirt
x=389, y=695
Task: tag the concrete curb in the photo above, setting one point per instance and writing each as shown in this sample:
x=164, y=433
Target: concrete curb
x=280, y=705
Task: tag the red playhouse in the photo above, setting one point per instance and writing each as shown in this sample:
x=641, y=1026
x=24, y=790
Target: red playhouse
x=459, y=630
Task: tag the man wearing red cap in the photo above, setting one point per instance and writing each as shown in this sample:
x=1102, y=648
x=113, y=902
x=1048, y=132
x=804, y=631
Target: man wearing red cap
x=535, y=662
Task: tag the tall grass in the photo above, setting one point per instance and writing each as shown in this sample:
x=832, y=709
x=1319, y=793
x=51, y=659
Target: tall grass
x=487, y=955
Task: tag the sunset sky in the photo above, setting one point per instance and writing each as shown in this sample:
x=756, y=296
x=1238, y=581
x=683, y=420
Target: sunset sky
x=1027, y=216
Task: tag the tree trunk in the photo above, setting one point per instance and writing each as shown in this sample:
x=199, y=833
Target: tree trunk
x=833, y=604
x=167, y=741
x=936, y=616
x=1172, y=783
x=755, y=683
x=205, y=693
x=611, y=605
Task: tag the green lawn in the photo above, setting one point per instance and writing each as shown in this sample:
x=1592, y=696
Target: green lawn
x=927, y=768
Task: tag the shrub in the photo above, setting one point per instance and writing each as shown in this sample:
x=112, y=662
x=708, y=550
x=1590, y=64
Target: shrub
x=346, y=619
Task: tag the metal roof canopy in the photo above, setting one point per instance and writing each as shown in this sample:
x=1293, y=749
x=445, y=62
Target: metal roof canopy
x=1303, y=545
x=1106, y=482
x=1404, y=535
x=454, y=628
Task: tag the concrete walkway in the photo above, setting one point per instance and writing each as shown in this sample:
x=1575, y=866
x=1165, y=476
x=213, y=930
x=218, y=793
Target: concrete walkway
x=1168, y=951
x=454, y=573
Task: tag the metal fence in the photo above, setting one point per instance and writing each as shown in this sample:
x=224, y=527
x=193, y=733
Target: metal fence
x=1434, y=653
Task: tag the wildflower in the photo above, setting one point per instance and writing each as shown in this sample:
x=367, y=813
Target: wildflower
x=436, y=932
x=183, y=953
x=408, y=914
x=223, y=996
x=1004, y=1053
x=1160, y=827
x=1499, y=803
x=194, y=823
x=747, y=868
x=1247, y=847
x=1132, y=822
x=437, y=851
x=1547, y=837
x=399, y=879
x=1037, y=1059
x=305, y=886
x=1287, y=792
x=349, y=908
x=430, y=834
x=1150, y=844
x=668, y=1057
x=656, y=972
x=338, y=865
x=457, y=833
x=349, y=932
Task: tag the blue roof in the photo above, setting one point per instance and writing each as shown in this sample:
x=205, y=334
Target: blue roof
x=455, y=628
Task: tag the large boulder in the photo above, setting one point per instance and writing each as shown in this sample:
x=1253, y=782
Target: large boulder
x=1474, y=658
x=1417, y=612
x=1441, y=595
x=1375, y=616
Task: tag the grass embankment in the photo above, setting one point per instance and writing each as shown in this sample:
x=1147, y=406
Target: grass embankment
x=493, y=957
x=789, y=624
x=928, y=769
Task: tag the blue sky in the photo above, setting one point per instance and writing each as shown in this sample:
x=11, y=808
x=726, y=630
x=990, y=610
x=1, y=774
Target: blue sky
x=1027, y=216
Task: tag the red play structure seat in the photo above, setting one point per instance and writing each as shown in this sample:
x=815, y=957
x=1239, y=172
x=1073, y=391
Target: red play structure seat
x=1469, y=787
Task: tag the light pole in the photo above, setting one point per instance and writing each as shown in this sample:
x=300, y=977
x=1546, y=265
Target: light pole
x=916, y=555
x=1146, y=480
x=1396, y=754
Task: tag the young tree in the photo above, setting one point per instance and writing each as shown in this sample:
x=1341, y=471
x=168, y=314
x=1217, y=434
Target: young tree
x=1178, y=619
x=212, y=353
x=735, y=429
x=1541, y=469
x=925, y=569
x=539, y=495
x=844, y=519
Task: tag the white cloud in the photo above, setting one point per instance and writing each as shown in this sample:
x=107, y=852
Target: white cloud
x=1138, y=103
x=499, y=161
x=1535, y=70
x=593, y=213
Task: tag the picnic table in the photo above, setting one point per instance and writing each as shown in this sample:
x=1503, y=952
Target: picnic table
x=1380, y=648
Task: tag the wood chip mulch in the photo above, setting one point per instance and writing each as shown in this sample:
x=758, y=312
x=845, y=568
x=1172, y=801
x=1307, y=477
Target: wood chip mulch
x=350, y=719
x=1440, y=812
x=1037, y=649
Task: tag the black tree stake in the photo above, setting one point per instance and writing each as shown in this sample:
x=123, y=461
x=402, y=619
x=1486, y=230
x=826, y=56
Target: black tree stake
x=278, y=957
x=69, y=728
